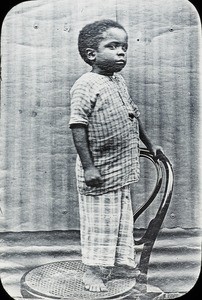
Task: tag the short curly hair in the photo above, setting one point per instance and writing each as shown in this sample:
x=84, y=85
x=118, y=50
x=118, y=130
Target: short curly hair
x=90, y=36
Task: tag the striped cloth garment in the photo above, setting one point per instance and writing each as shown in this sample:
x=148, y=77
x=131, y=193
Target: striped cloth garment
x=102, y=103
x=107, y=229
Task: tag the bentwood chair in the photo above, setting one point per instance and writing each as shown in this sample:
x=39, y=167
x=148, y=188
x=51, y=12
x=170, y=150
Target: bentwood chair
x=63, y=279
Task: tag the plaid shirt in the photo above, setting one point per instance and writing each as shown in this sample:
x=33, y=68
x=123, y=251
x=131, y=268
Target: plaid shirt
x=103, y=104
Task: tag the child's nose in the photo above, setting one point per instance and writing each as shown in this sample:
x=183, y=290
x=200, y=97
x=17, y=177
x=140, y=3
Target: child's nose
x=121, y=51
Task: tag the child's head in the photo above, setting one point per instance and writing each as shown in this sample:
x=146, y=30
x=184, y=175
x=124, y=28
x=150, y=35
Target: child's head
x=92, y=36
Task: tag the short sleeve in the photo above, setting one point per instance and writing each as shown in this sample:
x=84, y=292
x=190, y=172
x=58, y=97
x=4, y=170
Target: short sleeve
x=82, y=103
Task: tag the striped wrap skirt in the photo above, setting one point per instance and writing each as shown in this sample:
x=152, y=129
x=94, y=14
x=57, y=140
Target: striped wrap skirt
x=106, y=225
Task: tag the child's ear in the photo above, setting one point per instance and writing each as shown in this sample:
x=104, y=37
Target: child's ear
x=90, y=53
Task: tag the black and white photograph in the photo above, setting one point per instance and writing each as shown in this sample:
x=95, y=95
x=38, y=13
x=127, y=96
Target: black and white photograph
x=100, y=136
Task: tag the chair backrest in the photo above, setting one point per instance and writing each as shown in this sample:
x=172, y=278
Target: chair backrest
x=162, y=165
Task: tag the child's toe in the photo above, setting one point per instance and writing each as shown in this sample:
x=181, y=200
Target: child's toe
x=103, y=288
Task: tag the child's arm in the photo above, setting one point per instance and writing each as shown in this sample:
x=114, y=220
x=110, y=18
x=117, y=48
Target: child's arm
x=91, y=173
x=145, y=139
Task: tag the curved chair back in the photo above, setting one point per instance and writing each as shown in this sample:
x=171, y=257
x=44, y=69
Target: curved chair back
x=162, y=165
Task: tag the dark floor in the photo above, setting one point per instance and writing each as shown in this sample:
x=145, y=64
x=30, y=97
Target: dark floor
x=174, y=265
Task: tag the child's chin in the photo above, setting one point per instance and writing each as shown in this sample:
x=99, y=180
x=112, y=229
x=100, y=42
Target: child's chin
x=118, y=69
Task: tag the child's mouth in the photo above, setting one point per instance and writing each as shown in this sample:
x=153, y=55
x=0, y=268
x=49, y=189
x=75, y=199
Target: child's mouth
x=121, y=61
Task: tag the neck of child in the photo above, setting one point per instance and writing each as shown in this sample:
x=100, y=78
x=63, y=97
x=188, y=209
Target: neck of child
x=99, y=71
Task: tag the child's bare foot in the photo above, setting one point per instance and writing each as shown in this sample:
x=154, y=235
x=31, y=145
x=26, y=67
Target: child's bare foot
x=93, y=281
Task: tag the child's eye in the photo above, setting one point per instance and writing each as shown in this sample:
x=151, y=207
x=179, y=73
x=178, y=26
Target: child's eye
x=125, y=48
x=115, y=46
x=112, y=47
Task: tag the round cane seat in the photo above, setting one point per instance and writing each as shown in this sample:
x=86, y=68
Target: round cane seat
x=63, y=279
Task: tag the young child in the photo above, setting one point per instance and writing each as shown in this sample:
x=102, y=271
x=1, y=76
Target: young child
x=106, y=129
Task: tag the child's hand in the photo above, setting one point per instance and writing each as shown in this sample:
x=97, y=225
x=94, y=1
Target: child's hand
x=93, y=177
x=157, y=151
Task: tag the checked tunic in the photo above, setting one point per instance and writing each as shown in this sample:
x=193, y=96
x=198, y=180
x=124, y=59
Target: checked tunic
x=102, y=103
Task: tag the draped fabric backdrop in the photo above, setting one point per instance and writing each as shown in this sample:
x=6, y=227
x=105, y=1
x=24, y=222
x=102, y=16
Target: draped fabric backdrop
x=40, y=63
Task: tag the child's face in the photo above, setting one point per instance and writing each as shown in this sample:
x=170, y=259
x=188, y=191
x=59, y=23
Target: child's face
x=111, y=55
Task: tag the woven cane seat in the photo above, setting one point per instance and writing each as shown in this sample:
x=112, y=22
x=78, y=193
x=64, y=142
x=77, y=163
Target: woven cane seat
x=63, y=279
